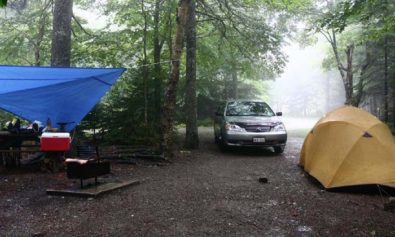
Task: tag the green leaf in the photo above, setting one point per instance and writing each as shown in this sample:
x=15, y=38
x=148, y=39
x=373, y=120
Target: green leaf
x=3, y=3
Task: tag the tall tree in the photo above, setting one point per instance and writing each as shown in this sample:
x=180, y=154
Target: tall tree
x=245, y=39
x=25, y=33
x=191, y=135
x=386, y=91
x=171, y=91
x=158, y=44
x=145, y=62
x=61, y=34
x=377, y=25
x=330, y=31
x=41, y=34
x=61, y=48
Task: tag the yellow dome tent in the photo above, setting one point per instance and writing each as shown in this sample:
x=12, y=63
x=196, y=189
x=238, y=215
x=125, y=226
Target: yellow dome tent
x=350, y=147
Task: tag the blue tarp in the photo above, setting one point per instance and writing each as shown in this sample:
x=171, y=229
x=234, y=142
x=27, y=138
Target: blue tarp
x=64, y=95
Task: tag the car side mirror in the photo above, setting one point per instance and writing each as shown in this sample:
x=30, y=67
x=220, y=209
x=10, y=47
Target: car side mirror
x=279, y=114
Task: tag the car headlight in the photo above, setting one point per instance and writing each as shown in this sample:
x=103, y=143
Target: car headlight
x=234, y=128
x=279, y=127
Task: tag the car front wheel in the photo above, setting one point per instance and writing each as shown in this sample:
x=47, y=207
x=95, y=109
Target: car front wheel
x=279, y=149
x=216, y=139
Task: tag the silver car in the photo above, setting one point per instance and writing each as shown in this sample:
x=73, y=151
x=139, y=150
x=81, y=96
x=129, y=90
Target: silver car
x=249, y=123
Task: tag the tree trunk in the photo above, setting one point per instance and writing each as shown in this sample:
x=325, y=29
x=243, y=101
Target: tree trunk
x=234, y=83
x=170, y=31
x=191, y=137
x=349, y=83
x=386, y=97
x=337, y=57
x=157, y=66
x=171, y=92
x=345, y=73
x=226, y=86
x=40, y=36
x=145, y=66
x=327, y=92
x=60, y=54
x=361, y=83
x=61, y=35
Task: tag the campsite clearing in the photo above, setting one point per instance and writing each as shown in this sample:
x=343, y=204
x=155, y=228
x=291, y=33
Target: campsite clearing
x=203, y=193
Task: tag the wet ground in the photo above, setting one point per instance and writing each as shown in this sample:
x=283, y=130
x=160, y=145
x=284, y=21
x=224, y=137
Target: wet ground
x=203, y=193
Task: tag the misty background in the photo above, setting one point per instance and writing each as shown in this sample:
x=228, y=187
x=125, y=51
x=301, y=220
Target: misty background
x=305, y=89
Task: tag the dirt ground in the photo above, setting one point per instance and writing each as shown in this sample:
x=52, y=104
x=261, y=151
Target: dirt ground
x=204, y=193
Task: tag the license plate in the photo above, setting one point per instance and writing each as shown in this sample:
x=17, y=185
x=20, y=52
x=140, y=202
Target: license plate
x=258, y=139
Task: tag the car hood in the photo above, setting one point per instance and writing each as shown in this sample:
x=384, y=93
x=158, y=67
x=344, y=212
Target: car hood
x=252, y=120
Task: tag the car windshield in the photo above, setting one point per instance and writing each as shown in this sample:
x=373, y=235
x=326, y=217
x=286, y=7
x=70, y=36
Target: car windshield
x=248, y=108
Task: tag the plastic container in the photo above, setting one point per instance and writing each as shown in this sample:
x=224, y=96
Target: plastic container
x=55, y=141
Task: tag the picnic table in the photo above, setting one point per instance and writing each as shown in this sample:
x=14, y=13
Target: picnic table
x=14, y=145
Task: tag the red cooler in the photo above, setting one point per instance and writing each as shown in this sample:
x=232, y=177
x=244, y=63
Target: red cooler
x=56, y=141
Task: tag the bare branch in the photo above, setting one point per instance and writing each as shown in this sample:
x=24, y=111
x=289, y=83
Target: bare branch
x=327, y=35
x=82, y=28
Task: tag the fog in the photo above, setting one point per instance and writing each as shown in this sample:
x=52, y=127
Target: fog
x=305, y=89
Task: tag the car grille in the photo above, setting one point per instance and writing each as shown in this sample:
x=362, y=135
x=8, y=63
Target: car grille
x=254, y=128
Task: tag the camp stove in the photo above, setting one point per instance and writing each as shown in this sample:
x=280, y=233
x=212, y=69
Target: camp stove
x=55, y=141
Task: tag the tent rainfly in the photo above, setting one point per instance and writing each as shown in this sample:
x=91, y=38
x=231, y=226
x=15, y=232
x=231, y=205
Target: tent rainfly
x=64, y=95
x=350, y=147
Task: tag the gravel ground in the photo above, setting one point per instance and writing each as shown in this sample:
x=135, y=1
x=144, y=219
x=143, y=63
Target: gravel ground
x=204, y=193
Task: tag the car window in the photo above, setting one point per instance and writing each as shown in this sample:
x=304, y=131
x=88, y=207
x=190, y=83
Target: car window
x=248, y=108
